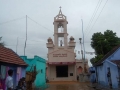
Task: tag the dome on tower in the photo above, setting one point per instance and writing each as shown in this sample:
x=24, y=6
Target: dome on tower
x=71, y=38
x=50, y=40
x=60, y=16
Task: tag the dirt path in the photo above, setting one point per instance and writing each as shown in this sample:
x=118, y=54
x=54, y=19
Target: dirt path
x=68, y=86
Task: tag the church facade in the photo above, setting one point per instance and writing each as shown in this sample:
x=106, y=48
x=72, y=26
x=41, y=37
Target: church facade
x=61, y=64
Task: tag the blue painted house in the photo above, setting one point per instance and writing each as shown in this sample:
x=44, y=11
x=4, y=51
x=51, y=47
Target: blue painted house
x=40, y=64
x=10, y=60
x=108, y=69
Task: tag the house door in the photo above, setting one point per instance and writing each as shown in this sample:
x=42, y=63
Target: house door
x=109, y=77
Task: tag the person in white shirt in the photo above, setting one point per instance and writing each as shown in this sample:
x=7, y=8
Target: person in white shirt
x=9, y=80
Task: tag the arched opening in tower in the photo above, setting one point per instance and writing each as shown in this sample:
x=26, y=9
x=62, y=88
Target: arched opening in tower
x=61, y=41
x=79, y=70
x=60, y=29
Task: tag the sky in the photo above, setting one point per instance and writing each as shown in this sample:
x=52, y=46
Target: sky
x=40, y=18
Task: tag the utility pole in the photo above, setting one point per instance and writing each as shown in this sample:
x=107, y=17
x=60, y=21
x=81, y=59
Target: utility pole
x=26, y=36
x=81, y=48
x=84, y=75
x=83, y=39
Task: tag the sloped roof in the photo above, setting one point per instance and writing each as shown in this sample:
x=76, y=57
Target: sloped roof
x=9, y=56
x=107, y=55
x=117, y=62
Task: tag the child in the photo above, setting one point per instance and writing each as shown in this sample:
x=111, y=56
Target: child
x=9, y=80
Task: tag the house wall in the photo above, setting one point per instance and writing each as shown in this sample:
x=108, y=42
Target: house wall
x=40, y=64
x=102, y=70
x=41, y=76
x=23, y=71
x=114, y=73
x=14, y=68
x=114, y=69
x=101, y=75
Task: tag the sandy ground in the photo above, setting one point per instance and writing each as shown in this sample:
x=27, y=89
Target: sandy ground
x=69, y=86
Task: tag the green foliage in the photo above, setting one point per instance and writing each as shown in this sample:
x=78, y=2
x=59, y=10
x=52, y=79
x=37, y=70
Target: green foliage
x=103, y=43
x=96, y=59
x=1, y=43
x=92, y=61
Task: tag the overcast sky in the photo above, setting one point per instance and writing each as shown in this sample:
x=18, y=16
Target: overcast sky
x=40, y=19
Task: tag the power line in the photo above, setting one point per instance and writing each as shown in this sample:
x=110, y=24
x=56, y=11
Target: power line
x=94, y=14
x=40, y=24
x=28, y=18
x=97, y=17
x=12, y=20
x=33, y=40
x=38, y=41
x=20, y=45
x=46, y=41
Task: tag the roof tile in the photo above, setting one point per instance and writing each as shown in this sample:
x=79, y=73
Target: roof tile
x=9, y=56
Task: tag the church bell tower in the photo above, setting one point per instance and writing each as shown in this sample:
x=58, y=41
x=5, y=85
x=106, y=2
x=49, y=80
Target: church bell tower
x=61, y=55
x=60, y=30
x=60, y=34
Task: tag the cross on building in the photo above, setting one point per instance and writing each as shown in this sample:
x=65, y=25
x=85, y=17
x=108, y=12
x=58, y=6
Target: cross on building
x=60, y=7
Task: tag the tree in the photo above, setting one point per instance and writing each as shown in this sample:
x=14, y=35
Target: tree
x=103, y=43
x=1, y=43
x=96, y=59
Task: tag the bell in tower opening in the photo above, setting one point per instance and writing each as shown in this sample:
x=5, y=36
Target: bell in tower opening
x=60, y=29
x=61, y=43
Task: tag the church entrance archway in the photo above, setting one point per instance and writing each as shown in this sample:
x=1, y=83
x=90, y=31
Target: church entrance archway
x=62, y=71
x=79, y=70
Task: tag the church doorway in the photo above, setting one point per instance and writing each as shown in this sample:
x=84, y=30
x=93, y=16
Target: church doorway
x=62, y=71
x=79, y=70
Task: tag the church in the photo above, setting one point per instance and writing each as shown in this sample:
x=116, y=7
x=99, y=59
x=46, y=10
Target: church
x=61, y=64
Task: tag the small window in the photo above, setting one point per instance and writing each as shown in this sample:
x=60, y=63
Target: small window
x=41, y=71
x=71, y=74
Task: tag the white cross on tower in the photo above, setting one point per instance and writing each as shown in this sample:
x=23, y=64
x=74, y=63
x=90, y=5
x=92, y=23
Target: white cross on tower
x=60, y=12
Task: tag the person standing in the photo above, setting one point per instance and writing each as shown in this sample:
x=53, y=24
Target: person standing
x=9, y=80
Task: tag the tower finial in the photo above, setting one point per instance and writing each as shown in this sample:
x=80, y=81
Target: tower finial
x=60, y=12
x=60, y=7
x=60, y=15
